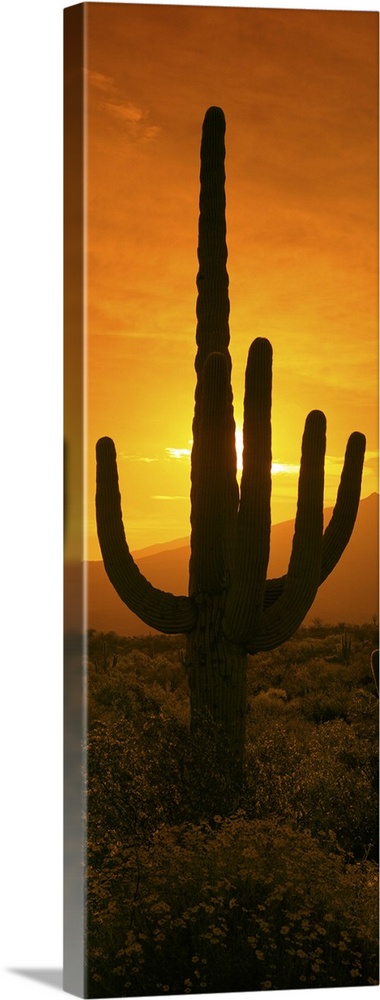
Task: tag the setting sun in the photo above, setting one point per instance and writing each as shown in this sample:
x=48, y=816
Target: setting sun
x=276, y=468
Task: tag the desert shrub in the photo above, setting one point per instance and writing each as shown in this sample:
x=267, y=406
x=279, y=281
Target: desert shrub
x=338, y=788
x=151, y=645
x=325, y=705
x=170, y=674
x=311, y=758
x=318, y=688
x=147, y=767
x=324, y=778
x=273, y=757
x=239, y=905
x=200, y=882
x=134, y=687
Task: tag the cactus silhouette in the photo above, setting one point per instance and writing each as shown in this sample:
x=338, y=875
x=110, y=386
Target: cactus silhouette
x=346, y=647
x=231, y=608
x=105, y=662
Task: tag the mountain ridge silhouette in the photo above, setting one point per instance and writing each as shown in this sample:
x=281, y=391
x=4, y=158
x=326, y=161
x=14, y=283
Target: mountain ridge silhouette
x=349, y=595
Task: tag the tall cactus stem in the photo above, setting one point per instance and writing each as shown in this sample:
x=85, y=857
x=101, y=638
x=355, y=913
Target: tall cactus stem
x=214, y=492
x=213, y=305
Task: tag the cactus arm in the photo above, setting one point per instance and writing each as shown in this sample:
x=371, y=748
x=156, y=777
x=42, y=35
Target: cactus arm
x=214, y=491
x=273, y=590
x=156, y=608
x=279, y=622
x=341, y=525
x=245, y=600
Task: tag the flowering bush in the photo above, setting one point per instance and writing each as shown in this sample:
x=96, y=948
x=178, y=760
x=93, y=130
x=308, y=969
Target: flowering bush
x=233, y=905
x=199, y=883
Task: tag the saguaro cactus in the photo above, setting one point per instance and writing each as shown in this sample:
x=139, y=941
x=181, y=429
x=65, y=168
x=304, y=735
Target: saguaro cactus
x=231, y=609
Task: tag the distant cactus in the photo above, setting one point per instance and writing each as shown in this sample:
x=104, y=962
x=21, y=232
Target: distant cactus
x=232, y=609
x=106, y=663
x=346, y=647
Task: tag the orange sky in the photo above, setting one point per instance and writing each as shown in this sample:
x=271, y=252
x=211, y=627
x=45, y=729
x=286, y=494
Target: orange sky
x=299, y=92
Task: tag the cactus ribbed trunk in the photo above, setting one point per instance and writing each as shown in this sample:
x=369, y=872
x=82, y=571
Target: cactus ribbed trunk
x=217, y=677
x=231, y=609
x=217, y=666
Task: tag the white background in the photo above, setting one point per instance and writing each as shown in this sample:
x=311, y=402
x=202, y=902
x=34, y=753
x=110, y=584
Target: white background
x=30, y=496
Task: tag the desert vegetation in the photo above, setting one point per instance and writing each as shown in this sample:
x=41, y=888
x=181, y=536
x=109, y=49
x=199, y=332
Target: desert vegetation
x=200, y=881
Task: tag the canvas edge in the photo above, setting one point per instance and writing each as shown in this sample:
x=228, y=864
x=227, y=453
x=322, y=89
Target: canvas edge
x=75, y=700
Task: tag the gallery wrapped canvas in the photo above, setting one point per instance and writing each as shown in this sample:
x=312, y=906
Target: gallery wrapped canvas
x=221, y=629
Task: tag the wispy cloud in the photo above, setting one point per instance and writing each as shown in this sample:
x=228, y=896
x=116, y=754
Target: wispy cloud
x=100, y=81
x=164, y=496
x=178, y=452
x=137, y=458
x=136, y=120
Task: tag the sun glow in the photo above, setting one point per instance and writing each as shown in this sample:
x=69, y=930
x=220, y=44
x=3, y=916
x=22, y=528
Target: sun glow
x=278, y=468
x=239, y=448
x=179, y=452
